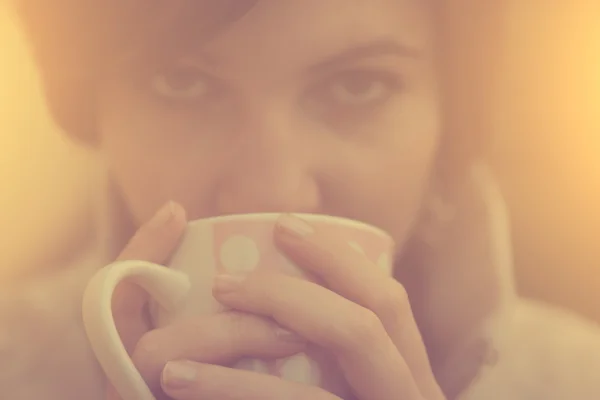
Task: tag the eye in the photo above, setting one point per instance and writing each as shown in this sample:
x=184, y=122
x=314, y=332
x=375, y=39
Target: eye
x=182, y=82
x=358, y=89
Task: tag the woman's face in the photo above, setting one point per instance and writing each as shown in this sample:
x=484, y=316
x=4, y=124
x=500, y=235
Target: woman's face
x=319, y=106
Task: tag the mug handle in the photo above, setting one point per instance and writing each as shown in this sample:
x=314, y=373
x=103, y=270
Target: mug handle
x=167, y=287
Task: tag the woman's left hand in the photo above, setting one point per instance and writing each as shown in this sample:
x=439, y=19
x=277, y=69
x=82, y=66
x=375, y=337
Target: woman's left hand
x=361, y=315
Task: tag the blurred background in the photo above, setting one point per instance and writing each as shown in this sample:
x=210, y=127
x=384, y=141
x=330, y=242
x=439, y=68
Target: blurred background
x=547, y=150
x=546, y=153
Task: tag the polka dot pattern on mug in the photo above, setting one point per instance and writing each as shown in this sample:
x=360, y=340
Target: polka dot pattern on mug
x=239, y=253
x=241, y=246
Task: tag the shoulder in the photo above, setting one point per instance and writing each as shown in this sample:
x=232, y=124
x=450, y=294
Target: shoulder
x=42, y=340
x=549, y=353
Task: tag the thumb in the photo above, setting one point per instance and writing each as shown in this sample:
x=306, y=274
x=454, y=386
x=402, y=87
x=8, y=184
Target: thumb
x=155, y=242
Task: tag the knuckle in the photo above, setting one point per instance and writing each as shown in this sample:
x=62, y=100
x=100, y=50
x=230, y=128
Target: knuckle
x=147, y=355
x=362, y=330
x=238, y=324
x=149, y=359
x=257, y=336
x=247, y=330
x=238, y=332
x=392, y=302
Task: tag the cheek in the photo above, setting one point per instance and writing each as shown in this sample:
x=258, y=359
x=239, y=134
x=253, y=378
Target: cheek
x=388, y=182
x=152, y=167
x=402, y=192
x=398, y=193
x=409, y=160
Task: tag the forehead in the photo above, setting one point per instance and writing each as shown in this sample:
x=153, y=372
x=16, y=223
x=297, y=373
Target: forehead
x=276, y=28
x=313, y=19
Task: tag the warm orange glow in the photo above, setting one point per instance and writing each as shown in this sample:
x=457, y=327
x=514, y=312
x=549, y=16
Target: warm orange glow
x=547, y=148
x=38, y=182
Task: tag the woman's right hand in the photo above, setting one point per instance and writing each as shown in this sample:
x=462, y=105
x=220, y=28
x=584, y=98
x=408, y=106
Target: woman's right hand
x=218, y=339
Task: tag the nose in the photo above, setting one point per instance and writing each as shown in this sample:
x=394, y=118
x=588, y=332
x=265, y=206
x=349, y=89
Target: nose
x=267, y=172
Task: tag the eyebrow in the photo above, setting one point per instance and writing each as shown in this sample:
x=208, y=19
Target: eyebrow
x=378, y=48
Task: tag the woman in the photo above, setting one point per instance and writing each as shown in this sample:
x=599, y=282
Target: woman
x=359, y=109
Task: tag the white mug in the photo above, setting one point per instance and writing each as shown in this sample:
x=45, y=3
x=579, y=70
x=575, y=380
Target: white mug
x=237, y=243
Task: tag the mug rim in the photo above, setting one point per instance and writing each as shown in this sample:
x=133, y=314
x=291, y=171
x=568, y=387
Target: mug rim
x=273, y=216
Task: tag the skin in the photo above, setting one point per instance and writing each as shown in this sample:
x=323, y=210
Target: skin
x=374, y=338
x=272, y=125
x=277, y=130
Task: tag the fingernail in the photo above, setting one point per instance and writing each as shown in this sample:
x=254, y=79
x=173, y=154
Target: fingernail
x=178, y=374
x=288, y=336
x=164, y=215
x=226, y=283
x=294, y=225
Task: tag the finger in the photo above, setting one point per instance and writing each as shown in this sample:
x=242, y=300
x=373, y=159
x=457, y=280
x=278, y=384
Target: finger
x=369, y=359
x=154, y=242
x=216, y=339
x=351, y=274
x=186, y=380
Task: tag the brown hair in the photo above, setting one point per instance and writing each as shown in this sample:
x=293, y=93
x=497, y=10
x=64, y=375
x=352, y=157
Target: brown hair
x=73, y=39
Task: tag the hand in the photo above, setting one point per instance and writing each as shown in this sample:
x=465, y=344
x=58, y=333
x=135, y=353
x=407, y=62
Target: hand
x=218, y=339
x=360, y=315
